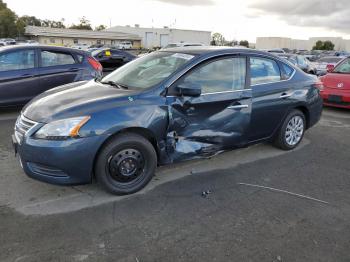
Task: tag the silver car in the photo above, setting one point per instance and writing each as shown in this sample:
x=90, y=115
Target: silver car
x=325, y=63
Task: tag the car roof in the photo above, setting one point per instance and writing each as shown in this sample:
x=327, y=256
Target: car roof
x=331, y=57
x=204, y=50
x=287, y=55
x=50, y=47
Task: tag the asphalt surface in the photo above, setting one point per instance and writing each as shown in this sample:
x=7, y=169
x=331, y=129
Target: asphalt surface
x=170, y=220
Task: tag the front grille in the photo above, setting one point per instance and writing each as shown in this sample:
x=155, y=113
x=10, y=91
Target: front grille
x=23, y=125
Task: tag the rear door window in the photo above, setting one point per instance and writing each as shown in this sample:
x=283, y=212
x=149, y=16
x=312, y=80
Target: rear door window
x=53, y=58
x=263, y=71
x=17, y=60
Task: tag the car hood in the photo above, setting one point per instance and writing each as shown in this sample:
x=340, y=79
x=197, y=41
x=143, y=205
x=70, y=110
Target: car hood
x=80, y=98
x=338, y=81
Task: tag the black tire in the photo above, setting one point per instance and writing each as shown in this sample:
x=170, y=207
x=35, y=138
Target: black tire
x=125, y=164
x=281, y=141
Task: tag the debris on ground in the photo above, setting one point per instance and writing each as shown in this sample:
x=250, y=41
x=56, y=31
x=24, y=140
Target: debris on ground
x=206, y=193
x=285, y=192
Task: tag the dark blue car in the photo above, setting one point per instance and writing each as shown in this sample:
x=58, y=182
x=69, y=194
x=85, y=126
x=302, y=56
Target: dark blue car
x=168, y=106
x=111, y=58
x=26, y=71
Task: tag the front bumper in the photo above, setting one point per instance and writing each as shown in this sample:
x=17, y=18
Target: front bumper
x=68, y=162
x=336, y=97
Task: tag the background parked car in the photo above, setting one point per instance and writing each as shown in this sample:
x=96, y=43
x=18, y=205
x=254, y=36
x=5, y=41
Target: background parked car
x=84, y=47
x=30, y=42
x=336, y=86
x=7, y=41
x=275, y=51
x=124, y=45
x=326, y=63
x=111, y=59
x=301, y=62
x=183, y=44
x=26, y=71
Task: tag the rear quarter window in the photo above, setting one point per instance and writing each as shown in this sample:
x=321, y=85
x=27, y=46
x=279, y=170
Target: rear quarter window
x=53, y=58
x=287, y=71
x=80, y=58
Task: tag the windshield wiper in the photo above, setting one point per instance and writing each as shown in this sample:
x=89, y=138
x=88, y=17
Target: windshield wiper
x=114, y=84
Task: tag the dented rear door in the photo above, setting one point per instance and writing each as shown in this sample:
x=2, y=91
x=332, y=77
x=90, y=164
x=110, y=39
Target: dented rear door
x=215, y=121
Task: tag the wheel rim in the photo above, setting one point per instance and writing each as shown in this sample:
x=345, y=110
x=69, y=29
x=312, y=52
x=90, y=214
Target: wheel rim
x=294, y=130
x=126, y=165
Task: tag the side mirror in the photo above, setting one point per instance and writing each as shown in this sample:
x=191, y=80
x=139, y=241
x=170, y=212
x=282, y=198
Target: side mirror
x=189, y=89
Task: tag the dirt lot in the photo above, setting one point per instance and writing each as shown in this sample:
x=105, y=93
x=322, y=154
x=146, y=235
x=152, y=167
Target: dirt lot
x=170, y=220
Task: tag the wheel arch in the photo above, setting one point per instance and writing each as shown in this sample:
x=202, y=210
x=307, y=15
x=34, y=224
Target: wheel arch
x=306, y=113
x=144, y=132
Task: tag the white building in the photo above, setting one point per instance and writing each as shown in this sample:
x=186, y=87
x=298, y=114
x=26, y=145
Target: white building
x=160, y=37
x=70, y=37
x=340, y=44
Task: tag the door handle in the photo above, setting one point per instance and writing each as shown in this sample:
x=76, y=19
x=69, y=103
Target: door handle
x=285, y=95
x=73, y=69
x=237, y=107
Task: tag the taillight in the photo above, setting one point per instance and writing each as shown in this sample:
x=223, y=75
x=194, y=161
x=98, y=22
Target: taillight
x=95, y=64
x=330, y=68
x=319, y=85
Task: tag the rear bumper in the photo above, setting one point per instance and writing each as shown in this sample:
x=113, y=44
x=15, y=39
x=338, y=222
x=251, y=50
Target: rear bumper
x=67, y=162
x=344, y=97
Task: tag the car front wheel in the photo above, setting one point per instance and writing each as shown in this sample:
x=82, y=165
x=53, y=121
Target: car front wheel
x=126, y=164
x=292, y=131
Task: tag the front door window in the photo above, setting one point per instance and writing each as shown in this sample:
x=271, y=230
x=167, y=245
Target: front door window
x=222, y=75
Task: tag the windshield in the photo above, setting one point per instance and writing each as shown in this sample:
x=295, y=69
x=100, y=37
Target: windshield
x=343, y=68
x=149, y=70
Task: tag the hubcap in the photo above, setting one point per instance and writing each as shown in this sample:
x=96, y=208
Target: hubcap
x=294, y=130
x=126, y=165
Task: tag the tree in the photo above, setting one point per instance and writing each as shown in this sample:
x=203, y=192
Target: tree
x=326, y=45
x=318, y=46
x=83, y=25
x=100, y=28
x=7, y=21
x=25, y=20
x=244, y=43
x=218, y=39
x=53, y=24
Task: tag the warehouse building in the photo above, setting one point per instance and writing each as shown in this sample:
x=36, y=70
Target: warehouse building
x=285, y=42
x=160, y=37
x=71, y=37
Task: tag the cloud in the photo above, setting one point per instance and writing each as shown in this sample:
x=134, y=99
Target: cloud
x=331, y=14
x=188, y=2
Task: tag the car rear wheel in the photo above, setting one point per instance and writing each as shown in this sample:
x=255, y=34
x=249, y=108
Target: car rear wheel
x=292, y=131
x=126, y=164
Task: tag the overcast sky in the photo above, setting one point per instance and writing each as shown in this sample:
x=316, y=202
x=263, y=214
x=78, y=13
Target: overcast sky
x=235, y=19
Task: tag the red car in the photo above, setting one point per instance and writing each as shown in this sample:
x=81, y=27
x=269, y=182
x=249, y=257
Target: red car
x=336, y=85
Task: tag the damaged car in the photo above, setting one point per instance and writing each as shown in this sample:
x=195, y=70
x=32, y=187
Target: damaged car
x=166, y=107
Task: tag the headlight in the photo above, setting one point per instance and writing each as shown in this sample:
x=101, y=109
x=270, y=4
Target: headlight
x=62, y=129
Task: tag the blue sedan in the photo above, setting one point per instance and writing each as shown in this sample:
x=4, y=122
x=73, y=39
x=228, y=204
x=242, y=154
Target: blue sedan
x=168, y=106
x=27, y=71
